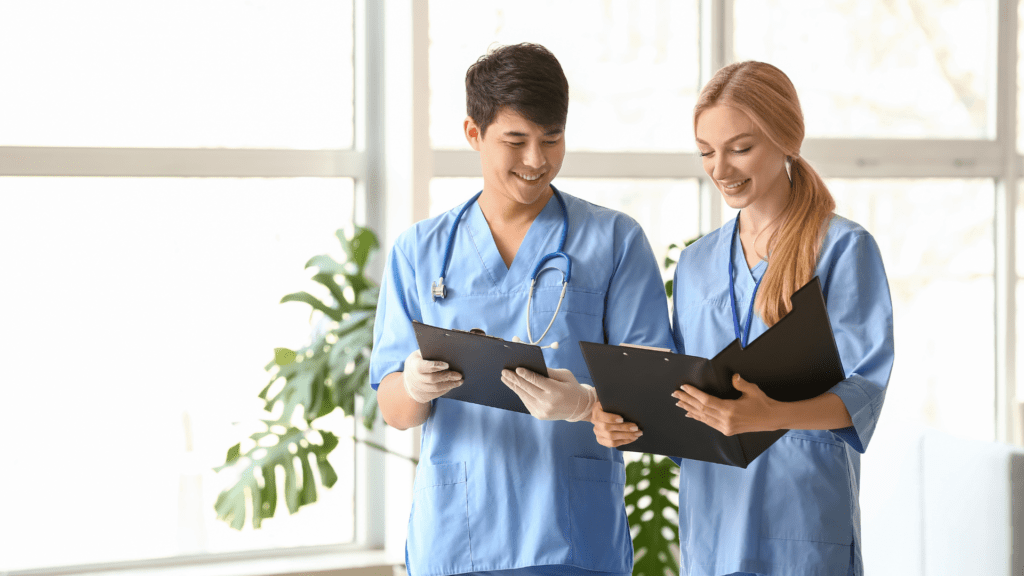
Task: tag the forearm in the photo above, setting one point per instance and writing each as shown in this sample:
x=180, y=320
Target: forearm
x=398, y=409
x=825, y=412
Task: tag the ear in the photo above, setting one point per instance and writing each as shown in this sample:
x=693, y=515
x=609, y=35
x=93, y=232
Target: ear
x=473, y=133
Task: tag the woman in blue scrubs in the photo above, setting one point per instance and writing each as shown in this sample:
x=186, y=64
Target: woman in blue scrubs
x=795, y=509
x=497, y=490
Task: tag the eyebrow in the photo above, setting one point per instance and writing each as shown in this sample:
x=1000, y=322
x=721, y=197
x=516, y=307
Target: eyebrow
x=551, y=132
x=736, y=137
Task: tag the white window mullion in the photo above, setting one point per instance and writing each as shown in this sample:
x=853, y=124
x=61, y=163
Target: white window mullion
x=1008, y=425
x=716, y=50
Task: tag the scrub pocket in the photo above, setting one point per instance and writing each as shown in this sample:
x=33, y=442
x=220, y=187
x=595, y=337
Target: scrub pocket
x=438, y=541
x=597, y=515
x=808, y=492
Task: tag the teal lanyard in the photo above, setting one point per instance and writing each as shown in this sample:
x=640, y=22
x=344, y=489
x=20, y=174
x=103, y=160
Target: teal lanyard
x=745, y=335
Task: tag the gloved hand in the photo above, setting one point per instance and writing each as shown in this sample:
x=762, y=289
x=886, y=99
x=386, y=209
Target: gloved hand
x=425, y=380
x=559, y=397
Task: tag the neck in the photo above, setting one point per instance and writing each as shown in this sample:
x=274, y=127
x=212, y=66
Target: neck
x=501, y=211
x=765, y=214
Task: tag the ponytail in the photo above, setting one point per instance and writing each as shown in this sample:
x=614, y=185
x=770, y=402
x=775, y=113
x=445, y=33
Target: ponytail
x=796, y=244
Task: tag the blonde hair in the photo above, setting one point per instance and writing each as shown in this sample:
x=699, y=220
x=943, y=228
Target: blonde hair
x=766, y=95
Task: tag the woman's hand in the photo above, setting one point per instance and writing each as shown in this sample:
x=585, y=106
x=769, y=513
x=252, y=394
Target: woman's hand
x=610, y=430
x=753, y=411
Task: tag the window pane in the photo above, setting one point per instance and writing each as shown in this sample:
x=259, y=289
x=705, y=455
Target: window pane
x=1020, y=78
x=872, y=68
x=187, y=73
x=632, y=66
x=1019, y=399
x=936, y=238
x=141, y=313
x=668, y=210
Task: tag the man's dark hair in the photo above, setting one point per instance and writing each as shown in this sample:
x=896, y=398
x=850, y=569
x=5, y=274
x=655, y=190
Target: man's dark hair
x=526, y=78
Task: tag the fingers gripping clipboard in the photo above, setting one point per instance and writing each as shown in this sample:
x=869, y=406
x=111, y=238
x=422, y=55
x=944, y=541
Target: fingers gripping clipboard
x=795, y=359
x=480, y=359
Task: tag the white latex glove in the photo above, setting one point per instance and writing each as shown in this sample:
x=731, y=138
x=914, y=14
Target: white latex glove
x=559, y=397
x=425, y=380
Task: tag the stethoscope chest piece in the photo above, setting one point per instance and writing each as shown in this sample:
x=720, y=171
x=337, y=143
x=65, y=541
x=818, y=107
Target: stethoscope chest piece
x=437, y=290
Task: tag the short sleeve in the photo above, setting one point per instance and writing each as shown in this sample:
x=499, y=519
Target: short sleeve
x=677, y=328
x=636, y=310
x=397, y=306
x=860, y=309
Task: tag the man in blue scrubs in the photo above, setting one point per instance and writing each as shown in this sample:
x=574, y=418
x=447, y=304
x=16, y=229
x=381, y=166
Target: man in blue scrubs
x=498, y=490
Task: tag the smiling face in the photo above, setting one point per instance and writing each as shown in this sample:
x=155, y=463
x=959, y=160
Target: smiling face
x=747, y=167
x=519, y=158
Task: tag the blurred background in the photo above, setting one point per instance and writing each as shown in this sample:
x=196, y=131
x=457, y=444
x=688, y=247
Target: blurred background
x=167, y=168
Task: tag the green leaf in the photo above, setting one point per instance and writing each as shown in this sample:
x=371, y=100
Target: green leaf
x=326, y=264
x=327, y=474
x=360, y=247
x=283, y=357
x=291, y=491
x=308, y=494
x=369, y=407
x=313, y=301
x=654, y=552
x=342, y=305
x=269, y=491
x=233, y=453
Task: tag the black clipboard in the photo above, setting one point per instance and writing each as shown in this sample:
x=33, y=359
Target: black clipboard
x=480, y=359
x=795, y=359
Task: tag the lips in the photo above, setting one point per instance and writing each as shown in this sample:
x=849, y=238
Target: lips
x=735, y=185
x=529, y=177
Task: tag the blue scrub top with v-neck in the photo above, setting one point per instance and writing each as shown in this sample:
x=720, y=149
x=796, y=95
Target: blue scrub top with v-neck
x=795, y=509
x=498, y=490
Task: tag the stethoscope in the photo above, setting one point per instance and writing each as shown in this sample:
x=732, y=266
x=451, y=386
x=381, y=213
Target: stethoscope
x=742, y=337
x=438, y=290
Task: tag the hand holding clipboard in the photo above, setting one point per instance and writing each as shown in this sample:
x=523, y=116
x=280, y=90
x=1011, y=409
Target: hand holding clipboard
x=793, y=360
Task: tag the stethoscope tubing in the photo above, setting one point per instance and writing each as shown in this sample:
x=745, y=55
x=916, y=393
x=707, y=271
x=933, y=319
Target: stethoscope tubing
x=438, y=289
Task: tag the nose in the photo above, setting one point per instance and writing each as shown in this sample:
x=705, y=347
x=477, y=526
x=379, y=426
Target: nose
x=720, y=168
x=533, y=156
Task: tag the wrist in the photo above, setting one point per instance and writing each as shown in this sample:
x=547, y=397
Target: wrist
x=585, y=404
x=780, y=415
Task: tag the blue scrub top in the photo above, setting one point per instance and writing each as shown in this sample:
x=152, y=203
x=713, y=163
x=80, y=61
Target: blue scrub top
x=499, y=490
x=795, y=509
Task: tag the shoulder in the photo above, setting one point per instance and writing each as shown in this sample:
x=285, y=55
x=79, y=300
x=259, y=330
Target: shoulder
x=707, y=248
x=587, y=214
x=844, y=235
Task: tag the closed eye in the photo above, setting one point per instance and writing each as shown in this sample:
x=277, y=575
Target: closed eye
x=744, y=151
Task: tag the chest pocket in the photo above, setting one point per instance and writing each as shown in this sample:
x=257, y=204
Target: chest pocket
x=581, y=317
x=576, y=301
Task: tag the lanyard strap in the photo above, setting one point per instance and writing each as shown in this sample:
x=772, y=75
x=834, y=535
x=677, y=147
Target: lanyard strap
x=745, y=335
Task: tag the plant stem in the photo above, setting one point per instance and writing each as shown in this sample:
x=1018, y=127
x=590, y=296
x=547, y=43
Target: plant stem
x=384, y=449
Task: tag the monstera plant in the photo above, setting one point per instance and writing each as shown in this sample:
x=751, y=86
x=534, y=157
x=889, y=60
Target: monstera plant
x=314, y=381
x=333, y=371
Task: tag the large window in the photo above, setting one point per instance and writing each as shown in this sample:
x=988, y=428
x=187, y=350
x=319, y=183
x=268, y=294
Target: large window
x=170, y=169
x=166, y=169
